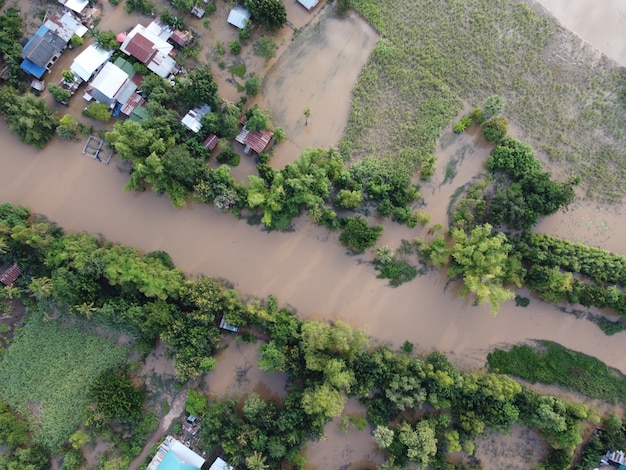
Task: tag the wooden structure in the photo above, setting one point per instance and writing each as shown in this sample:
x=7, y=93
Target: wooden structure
x=93, y=148
x=9, y=276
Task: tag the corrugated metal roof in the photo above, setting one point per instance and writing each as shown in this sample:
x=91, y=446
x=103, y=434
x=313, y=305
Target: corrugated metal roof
x=140, y=47
x=239, y=16
x=132, y=103
x=63, y=25
x=255, y=140
x=33, y=69
x=88, y=61
x=75, y=5
x=308, y=4
x=11, y=274
x=109, y=80
x=211, y=141
x=43, y=46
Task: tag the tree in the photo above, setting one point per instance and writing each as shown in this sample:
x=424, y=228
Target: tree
x=254, y=84
x=347, y=199
x=495, y=129
x=105, y=40
x=357, y=235
x=29, y=117
x=79, y=439
x=323, y=400
x=383, y=436
x=256, y=461
x=68, y=76
x=116, y=397
x=68, y=127
x=199, y=88
x=183, y=5
x=59, y=94
x=265, y=47
x=258, y=120
x=279, y=135
x=271, y=14
x=482, y=260
x=513, y=158
x=420, y=442
x=98, y=111
x=196, y=403
x=493, y=106
x=307, y=115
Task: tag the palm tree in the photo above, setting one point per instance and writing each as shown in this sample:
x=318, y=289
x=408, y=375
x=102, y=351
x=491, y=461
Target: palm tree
x=307, y=115
x=40, y=287
x=256, y=461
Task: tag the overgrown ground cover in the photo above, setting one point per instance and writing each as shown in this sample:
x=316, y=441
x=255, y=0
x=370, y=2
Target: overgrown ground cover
x=551, y=363
x=47, y=373
x=436, y=53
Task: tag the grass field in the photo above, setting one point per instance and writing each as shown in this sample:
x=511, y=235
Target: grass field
x=46, y=375
x=437, y=53
x=551, y=363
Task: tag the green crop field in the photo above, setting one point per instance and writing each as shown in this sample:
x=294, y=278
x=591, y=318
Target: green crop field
x=47, y=372
x=435, y=55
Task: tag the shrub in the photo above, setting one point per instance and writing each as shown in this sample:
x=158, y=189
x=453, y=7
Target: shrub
x=265, y=47
x=279, y=135
x=357, y=235
x=493, y=106
x=229, y=156
x=235, y=47
x=98, y=111
x=427, y=167
x=461, y=125
x=254, y=84
x=477, y=116
x=77, y=41
x=59, y=94
x=495, y=129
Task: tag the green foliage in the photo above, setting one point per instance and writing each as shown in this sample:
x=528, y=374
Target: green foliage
x=11, y=31
x=228, y=155
x=270, y=14
x=265, y=47
x=495, y=129
x=196, y=403
x=513, y=158
x=68, y=127
x=551, y=363
x=357, y=235
x=199, y=88
x=238, y=70
x=221, y=188
x=68, y=76
x=98, y=111
x=116, y=398
x=79, y=439
x=14, y=432
x=254, y=84
x=28, y=117
x=389, y=267
x=461, y=125
x=184, y=6
x=482, y=260
x=235, y=47
x=493, y=106
x=106, y=40
x=141, y=6
x=53, y=368
x=347, y=199
x=258, y=119
x=58, y=93
x=279, y=135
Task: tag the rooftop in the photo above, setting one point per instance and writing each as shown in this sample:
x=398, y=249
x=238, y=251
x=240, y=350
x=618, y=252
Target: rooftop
x=89, y=61
x=239, y=17
x=110, y=80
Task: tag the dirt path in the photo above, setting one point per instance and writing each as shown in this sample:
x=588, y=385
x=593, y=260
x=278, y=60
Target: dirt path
x=178, y=406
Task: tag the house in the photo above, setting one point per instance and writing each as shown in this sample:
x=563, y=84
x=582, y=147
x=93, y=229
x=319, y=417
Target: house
x=211, y=142
x=112, y=85
x=219, y=464
x=75, y=5
x=198, y=11
x=181, y=38
x=192, y=120
x=254, y=140
x=239, y=17
x=88, y=62
x=308, y=4
x=149, y=45
x=48, y=43
x=228, y=327
x=174, y=455
x=10, y=275
x=139, y=114
x=41, y=52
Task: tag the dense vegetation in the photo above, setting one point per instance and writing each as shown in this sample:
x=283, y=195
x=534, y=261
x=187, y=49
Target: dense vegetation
x=551, y=363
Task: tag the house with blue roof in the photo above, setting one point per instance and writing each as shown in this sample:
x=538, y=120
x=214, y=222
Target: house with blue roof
x=174, y=455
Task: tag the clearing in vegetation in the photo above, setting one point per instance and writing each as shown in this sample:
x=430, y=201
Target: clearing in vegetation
x=47, y=373
x=437, y=52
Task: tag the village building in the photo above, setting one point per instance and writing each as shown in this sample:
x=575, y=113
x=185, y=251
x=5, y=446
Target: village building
x=253, y=140
x=308, y=4
x=75, y=5
x=174, y=455
x=211, y=142
x=192, y=120
x=220, y=464
x=149, y=45
x=48, y=43
x=239, y=17
x=198, y=11
x=88, y=62
x=10, y=275
x=112, y=85
x=181, y=38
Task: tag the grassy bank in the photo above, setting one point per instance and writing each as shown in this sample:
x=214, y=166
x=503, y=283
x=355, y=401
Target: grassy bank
x=437, y=52
x=551, y=363
x=46, y=375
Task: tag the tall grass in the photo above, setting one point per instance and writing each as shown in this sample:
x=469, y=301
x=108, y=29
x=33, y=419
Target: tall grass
x=435, y=53
x=46, y=375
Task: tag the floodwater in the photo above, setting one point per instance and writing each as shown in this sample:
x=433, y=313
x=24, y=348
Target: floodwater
x=600, y=23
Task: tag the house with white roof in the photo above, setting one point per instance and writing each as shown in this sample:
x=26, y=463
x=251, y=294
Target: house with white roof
x=75, y=5
x=174, y=455
x=111, y=85
x=239, y=17
x=192, y=120
x=308, y=4
x=220, y=464
x=88, y=62
x=149, y=45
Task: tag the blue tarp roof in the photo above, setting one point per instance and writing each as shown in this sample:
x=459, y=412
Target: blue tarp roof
x=32, y=69
x=172, y=462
